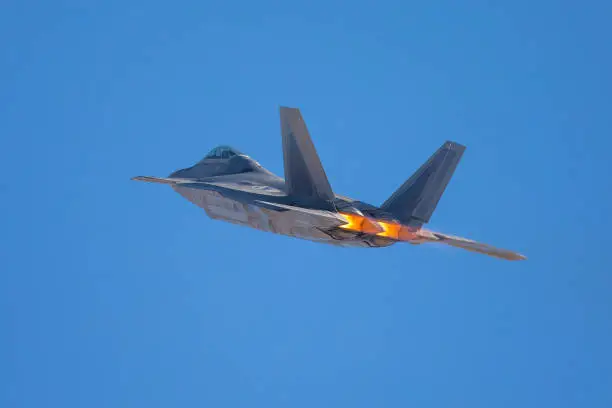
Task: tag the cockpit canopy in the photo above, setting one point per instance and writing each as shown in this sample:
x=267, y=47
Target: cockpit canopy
x=222, y=160
x=222, y=152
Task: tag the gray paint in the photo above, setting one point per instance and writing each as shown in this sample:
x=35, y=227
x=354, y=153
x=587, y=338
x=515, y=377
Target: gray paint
x=232, y=187
x=415, y=201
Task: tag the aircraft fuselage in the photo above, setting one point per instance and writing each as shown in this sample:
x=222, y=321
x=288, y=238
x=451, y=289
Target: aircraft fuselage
x=232, y=187
x=273, y=213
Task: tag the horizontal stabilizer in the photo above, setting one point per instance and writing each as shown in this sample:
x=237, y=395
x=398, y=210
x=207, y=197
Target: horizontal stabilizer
x=470, y=245
x=304, y=175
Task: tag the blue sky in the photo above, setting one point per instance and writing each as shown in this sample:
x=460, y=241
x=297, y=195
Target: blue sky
x=122, y=294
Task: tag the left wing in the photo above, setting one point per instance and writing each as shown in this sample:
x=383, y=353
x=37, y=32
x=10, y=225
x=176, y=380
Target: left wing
x=161, y=180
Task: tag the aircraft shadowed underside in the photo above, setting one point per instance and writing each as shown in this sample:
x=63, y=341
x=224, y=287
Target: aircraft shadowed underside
x=231, y=186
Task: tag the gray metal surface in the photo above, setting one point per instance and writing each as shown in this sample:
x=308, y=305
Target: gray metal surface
x=305, y=178
x=232, y=187
x=415, y=201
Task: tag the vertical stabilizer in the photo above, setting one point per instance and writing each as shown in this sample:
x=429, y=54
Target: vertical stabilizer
x=304, y=175
x=415, y=201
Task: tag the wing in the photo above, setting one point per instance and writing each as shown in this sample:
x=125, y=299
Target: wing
x=160, y=180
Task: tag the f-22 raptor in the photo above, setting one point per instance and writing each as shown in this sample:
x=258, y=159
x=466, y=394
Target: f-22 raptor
x=233, y=187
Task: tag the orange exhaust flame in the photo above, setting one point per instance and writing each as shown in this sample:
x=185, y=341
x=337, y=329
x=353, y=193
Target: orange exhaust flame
x=385, y=229
x=390, y=230
x=359, y=223
x=397, y=232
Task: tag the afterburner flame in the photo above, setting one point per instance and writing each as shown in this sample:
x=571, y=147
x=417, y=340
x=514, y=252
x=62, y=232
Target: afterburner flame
x=397, y=231
x=360, y=223
x=392, y=230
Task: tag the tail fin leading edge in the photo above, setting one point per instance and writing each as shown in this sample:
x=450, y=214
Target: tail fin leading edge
x=416, y=200
x=304, y=174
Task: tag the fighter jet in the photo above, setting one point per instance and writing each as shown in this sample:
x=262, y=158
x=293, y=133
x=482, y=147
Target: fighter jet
x=233, y=187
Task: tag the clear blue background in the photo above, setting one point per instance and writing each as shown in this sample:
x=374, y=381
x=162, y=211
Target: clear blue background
x=122, y=294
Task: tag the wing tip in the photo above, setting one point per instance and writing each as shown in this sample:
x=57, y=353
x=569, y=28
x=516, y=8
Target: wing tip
x=150, y=179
